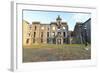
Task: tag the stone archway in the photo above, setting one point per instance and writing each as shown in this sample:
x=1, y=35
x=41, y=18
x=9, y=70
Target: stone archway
x=59, y=40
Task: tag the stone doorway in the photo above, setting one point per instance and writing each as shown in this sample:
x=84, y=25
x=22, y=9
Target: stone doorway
x=58, y=41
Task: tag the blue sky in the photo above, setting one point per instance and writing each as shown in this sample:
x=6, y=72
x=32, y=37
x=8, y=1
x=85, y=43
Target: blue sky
x=50, y=16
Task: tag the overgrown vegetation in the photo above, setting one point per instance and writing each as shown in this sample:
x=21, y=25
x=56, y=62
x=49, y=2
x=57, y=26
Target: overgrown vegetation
x=51, y=52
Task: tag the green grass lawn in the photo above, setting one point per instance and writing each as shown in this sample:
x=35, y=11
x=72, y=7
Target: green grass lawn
x=52, y=52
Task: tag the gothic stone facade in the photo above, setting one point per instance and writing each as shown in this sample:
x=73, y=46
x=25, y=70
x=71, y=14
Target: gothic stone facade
x=53, y=33
x=82, y=32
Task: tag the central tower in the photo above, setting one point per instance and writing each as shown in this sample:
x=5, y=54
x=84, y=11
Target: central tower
x=59, y=22
x=59, y=39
